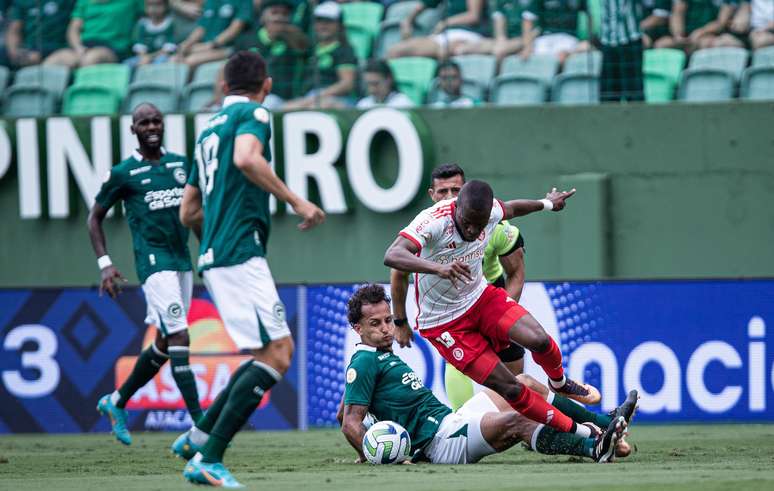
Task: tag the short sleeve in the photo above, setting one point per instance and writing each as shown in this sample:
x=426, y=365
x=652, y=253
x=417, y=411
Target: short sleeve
x=361, y=381
x=193, y=176
x=111, y=190
x=244, y=11
x=423, y=230
x=345, y=58
x=79, y=12
x=203, y=19
x=138, y=34
x=505, y=239
x=256, y=123
x=498, y=211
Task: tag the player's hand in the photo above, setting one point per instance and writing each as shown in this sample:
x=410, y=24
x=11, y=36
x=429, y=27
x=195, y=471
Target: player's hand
x=456, y=272
x=311, y=214
x=404, y=335
x=111, y=281
x=559, y=197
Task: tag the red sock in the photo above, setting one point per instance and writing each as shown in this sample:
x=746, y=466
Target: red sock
x=550, y=360
x=536, y=408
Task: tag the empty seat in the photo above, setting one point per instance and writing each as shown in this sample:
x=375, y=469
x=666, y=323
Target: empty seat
x=758, y=83
x=661, y=69
x=426, y=21
x=541, y=67
x=87, y=100
x=575, y=88
x=763, y=56
x=169, y=74
x=480, y=69
x=595, y=10
x=197, y=96
x=413, y=75
x=207, y=72
x=588, y=63
x=112, y=76
x=730, y=60
x=389, y=34
x=161, y=95
x=399, y=10
x=514, y=90
x=362, y=21
x=29, y=101
x=705, y=85
x=53, y=78
x=361, y=40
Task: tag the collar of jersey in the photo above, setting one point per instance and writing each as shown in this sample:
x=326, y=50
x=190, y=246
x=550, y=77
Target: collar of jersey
x=234, y=99
x=139, y=158
x=364, y=347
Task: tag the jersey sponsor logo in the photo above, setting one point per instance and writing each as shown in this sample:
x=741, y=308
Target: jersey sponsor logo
x=279, y=312
x=474, y=256
x=217, y=121
x=261, y=115
x=206, y=259
x=145, y=181
x=164, y=198
x=139, y=170
x=458, y=354
x=180, y=175
x=351, y=375
x=175, y=310
x=411, y=379
x=383, y=356
x=169, y=165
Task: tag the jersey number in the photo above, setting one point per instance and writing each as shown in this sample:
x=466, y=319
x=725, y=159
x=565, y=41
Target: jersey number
x=207, y=161
x=446, y=339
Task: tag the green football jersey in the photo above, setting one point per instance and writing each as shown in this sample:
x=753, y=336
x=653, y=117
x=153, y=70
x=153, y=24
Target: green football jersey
x=501, y=243
x=237, y=218
x=392, y=391
x=152, y=193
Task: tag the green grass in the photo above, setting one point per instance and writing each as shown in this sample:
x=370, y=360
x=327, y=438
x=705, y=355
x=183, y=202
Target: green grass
x=739, y=457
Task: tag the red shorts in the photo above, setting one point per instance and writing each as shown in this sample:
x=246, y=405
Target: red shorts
x=471, y=342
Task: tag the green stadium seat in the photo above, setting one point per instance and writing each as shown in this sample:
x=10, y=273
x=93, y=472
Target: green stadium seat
x=5, y=75
x=413, y=75
x=539, y=67
x=516, y=90
x=389, y=34
x=161, y=95
x=662, y=69
x=361, y=40
x=170, y=74
x=758, y=83
x=53, y=78
x=22, y=101
x=208, y=72
x=658, y=88
x=586, y=63
x=480, y=69
x=706, y=85
x=730, y=60
x=399, y=10
x=763, y=56
x=196, y=96
x=87, y=100
x=365, y=15
x=112, y=76
x=595, y=9
x=426, y=21
x=575, y=88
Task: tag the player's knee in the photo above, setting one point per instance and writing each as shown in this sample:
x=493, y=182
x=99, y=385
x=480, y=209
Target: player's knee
x=179, y=339
x=528, y=381
x=510, y=390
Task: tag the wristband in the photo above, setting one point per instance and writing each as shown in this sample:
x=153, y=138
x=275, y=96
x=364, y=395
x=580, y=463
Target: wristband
x=104, y=261
x=400, y=322
x=548, y=205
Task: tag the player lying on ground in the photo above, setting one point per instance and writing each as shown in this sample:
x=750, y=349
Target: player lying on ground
x=150, y=183
x=379, y=382
x=468, y=321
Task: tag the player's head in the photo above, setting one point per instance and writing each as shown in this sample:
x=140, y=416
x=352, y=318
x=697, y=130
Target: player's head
x=446, y=181
x=245, y=74
x=148, y=125
x=474, y=205
x=368, y=311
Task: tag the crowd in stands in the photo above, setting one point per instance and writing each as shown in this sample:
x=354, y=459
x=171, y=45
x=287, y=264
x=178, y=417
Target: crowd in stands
x=333, y=55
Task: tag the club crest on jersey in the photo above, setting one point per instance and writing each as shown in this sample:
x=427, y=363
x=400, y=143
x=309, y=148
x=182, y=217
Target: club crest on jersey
x=351, y=375
x=180, y=175
x=279, y=312
x=261, y=115
x=175, y=310
x=458, y=354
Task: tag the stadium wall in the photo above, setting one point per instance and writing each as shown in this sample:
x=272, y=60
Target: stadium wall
x=663, y=191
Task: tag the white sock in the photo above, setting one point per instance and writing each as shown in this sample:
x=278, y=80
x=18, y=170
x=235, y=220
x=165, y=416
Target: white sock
x=550, y=397
x=582, y=431
x=198, y=437
x=558, y=384
x=115, y=397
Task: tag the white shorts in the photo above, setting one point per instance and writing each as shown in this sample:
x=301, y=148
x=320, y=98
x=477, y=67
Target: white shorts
x=450, y=36
x=248, y=303
x=467, y=447
x=168, y=295
x=553, y=44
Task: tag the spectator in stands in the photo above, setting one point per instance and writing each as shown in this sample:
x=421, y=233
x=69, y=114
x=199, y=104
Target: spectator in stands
x=154, y=35
x=449, y=79
x=36, y=30
x=282, y=45
x=506, y=24
x=221, y=22
x=756, y=20
x=699, y=24
x=621, y=42
x=188, y=9
x=331, y=70
x=550, y=28
x=381, y=89
x=99, y=32
x=655, y=20
x=464, y=23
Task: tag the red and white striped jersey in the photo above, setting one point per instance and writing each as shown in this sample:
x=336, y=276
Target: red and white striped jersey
x=434, y=232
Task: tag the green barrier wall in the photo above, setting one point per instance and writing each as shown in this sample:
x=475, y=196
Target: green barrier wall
x=663, y=191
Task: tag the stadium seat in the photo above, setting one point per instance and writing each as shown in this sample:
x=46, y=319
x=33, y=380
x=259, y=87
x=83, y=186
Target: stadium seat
x=575, y=88
x=516, y=90
x=661, y=69
x=53, y=78
x=480, y=69
x=763, y=56
x=361, y=21
x=169, y=74
x=5, y=75
x=587, y=63
x=730, y=60
x=111, y=76
x=361, y=40
x=207, y=72
x=413, y=75
x=595, y=9
x=426, y=21
x=398, y=10
x=161, y=95
x=29, y=102
x=389, y=34
x=86, y=100
x=539, y=67
x=705, y=85
x=758, y=83
x=196, y=96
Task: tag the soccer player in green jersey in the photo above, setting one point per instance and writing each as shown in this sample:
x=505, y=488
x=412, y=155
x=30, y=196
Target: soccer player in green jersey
x=150, y=183
x=227, y=197
x=503, y=267
x=381, y=384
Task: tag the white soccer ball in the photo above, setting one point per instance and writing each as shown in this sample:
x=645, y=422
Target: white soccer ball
x=386, y=442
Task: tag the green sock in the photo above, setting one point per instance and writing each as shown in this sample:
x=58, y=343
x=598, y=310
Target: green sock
x=242, y=401
x=210, y=416
x=147, y=366
x=184, y=378
x=552, y=442
x=578, y=413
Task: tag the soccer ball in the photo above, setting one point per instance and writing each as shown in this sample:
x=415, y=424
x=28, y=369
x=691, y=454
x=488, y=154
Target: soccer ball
x=386, y=442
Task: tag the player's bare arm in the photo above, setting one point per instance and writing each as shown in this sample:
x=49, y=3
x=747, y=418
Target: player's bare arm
x=191, y=212
x=554, y=201
x=110, y=277
x=402, y=255
x=399, y=282
x=513, y=265
x=353, y=428
x=248, y=157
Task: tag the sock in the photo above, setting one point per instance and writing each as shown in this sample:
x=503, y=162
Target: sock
x=210, y=416
x=551, y=361
x=578, y=413
x=548, y=441
x=459, y=388
x=184, y=378
x=147, y=366
x=531, y=405
x=198, y=437
x=245, y=396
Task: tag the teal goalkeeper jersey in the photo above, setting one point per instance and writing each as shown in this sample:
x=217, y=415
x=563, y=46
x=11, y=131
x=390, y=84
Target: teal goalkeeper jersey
x=237, y=219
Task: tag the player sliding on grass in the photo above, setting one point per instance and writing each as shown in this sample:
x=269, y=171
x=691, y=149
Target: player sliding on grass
x=150, y=183
x=379, y=382
x=468, y=321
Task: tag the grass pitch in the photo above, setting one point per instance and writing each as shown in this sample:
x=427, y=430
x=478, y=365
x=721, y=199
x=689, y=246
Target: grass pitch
x=739, y=457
